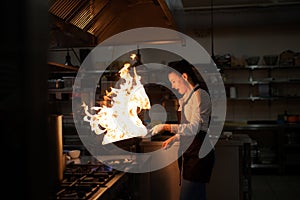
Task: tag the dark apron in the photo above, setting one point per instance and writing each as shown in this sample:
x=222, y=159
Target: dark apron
x=190, y=165
x=195, y=168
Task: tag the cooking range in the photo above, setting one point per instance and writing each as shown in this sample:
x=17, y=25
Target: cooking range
x=87, y=181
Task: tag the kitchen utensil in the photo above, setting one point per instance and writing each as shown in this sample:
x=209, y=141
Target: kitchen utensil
x=74, y=153
x=252, y=60
x=68, y=81
x=270, y=59
x=223, y=60
x=286, y=58
x=232, y=92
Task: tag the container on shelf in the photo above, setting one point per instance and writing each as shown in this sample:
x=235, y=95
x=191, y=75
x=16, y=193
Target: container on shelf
x=233, y=94
x=55, y=83
x=253, y=60
x=270, y=59
x=68, y=81
x=263, y=90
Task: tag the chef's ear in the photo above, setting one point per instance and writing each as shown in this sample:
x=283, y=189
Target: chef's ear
x=184, y=76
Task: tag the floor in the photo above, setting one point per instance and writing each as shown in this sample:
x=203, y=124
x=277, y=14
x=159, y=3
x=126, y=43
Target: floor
x=276, y=187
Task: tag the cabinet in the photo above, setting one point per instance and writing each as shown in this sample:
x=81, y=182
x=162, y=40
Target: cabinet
x=274, y=147
x=266, y=148
x=231, y=178
x=261, y=95
x=290, y=141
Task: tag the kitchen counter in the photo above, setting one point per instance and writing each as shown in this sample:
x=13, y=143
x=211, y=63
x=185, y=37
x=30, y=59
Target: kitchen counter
x=226, y=181
x=231, y=178
x=234, y=140
x=229, y=154
x=262, y=125
x=136, y=162
x=275, y=145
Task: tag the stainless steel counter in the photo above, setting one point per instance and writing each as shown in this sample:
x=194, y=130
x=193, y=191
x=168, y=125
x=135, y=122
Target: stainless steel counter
x=226, y=181
x=244, y=125
x=231, y=178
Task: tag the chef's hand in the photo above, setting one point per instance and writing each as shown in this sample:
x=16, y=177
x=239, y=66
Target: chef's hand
x=156, y=129
x=169, y=142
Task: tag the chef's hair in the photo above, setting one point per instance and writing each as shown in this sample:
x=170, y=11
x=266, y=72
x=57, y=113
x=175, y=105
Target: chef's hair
x=183, y=66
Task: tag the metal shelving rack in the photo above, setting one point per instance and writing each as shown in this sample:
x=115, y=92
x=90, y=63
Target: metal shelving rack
x=269, y=81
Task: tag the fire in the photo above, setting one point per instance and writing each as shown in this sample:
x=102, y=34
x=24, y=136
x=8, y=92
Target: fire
x=120, y=120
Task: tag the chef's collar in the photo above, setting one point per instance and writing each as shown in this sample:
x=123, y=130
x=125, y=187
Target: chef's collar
x=186, y=96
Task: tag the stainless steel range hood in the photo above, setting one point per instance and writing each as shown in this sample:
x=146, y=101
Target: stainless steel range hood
x=75, y=23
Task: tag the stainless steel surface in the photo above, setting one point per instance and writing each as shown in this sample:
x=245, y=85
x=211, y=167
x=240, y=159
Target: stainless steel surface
x=162, y=183
x=88, y=181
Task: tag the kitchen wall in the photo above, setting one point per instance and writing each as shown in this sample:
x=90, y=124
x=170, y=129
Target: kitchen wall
x=251, y=41
x=256, y=41
x=240, y=43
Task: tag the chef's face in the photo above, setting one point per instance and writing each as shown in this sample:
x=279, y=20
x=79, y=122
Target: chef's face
x=178, y=82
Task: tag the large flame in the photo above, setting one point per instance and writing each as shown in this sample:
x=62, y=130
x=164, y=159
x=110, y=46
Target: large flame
x=120, y=120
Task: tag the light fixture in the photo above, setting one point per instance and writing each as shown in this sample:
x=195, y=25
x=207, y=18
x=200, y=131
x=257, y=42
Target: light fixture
x=68, y=59
x=138, y=64
x=137, y=58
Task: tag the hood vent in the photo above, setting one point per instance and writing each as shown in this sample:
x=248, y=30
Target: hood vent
x=76, y=23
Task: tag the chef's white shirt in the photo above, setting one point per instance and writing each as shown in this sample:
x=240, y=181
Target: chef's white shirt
x=196, y=111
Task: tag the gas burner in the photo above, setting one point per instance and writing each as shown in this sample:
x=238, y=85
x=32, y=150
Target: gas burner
x=82, y=181
x=78, y=191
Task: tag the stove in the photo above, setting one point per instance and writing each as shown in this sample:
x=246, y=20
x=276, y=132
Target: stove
x=86, y=181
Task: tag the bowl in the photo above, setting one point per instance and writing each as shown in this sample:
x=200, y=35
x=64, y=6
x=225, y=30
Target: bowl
x=270, y=59
x=74, y=153
x=252, y=60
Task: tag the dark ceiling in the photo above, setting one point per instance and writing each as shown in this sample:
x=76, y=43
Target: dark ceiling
x=198, y=14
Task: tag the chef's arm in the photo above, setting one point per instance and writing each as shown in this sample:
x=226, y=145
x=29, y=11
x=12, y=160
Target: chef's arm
x=160, y=128
x=169, y=142
x=167, y=127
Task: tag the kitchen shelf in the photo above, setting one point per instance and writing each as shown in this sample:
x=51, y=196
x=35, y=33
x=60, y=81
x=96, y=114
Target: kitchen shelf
x=255, y=67
x=261, y=82
x=264, y=98
x=266, y=166
x=252, y=99
x=60, y=90
x=106, y=71
x=57, y=67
